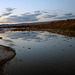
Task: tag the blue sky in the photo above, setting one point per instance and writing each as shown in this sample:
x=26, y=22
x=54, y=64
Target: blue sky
x=17, y=11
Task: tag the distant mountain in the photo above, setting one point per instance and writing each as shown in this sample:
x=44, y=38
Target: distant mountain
x=5, y=25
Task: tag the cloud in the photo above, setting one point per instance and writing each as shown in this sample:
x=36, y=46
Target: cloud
x=49, y=16
x=23, y=17
x=38, y=15
x=37, y=12
x=7, y=12
x=26, y=17
x=67, y=16
x=9, y=9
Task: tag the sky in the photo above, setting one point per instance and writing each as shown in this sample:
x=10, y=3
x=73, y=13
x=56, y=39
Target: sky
x=29, y=11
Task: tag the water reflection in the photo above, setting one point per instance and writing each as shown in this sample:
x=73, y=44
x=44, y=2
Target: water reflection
x=26, y=35
x=40, y=53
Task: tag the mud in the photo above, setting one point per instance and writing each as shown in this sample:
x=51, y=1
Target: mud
x=6, y=54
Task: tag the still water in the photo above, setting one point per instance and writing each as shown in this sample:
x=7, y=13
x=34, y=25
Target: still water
x=40, y=53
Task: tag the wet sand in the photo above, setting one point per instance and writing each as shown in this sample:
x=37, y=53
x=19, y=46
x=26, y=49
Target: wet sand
x=6, y=54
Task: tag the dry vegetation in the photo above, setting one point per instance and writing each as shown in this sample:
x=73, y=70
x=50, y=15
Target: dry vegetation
x=65, y=27
x=68, y=24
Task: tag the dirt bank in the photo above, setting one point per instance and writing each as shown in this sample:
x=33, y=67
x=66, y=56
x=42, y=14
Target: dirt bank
x=6, y=54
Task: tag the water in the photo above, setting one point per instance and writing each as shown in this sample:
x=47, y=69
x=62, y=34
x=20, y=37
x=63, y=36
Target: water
x=40, y=53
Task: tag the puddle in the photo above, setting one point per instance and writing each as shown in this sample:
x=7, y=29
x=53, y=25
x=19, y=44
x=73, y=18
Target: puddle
x=40, y=53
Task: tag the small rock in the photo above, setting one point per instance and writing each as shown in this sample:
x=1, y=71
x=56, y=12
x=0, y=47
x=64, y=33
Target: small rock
x=64, y=40
x=54, y=46
x=28, y=48
x=70, y=45
x=0, y=37
x=63, y=49
x=23, y=33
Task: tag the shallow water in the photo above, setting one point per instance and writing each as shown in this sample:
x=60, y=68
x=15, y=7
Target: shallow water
x=40, y=53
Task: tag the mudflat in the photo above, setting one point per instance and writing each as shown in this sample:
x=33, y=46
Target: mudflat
x=6, y=53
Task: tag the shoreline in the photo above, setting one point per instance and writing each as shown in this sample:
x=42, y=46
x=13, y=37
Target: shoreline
x=6, y=54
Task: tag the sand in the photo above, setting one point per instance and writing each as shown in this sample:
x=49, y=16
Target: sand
x=6, y=53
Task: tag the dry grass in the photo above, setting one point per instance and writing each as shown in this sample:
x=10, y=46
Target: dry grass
x=63, y=25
